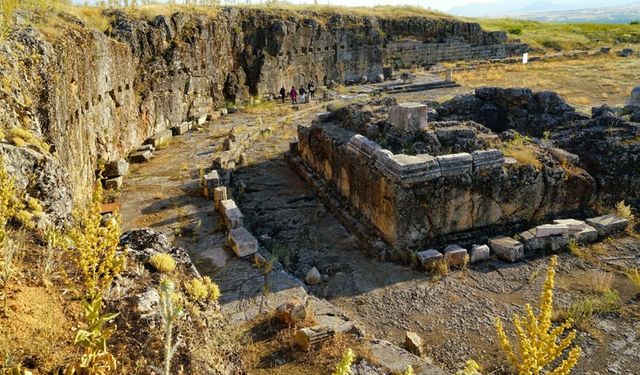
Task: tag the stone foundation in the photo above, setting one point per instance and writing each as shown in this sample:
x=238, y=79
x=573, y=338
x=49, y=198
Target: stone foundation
x=413, y=200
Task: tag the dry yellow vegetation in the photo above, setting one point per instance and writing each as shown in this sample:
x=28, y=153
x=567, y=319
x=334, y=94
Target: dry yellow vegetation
x=541, y=346
x=583, y=83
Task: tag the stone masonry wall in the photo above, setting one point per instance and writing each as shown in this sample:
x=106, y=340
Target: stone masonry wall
x=411, y=211
x=404, y=54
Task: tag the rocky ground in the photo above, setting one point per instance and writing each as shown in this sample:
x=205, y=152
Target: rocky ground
x=453, y=314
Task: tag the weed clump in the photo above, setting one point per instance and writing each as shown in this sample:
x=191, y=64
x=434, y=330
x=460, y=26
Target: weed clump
x=344, y=366
x=540, y=344
x=163, y=262
x=624, y=210
x=634, y=276
x=471, y=367
x=201, y=290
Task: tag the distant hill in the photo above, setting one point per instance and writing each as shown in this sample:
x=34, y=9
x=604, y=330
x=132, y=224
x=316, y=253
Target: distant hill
x=614, y=14
x=510, y=8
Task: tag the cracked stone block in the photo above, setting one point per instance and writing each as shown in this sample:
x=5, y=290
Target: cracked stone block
x=506, y=248
x=533, y=243
x=306, y=338
x=114, y=183
x=242, y=242
x=181, y=129
x=409, y=116
x=140, y=156
x=479, y=253
x=455, y=164
x=160, y=138
x=363, y=146
x=231, y=214
x=219, y=195
x=547, y=230
x=487, y=159
x=429, y=258
x=211, y=182
x=116, y=168
x=578, y=229
x=455, y=255
x=408, y=168
x=607, y=225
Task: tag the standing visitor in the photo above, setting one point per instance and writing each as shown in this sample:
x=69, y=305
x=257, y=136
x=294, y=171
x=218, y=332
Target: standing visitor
x=301, y=91
x=312, y=90
x=283, y=93
x=294, y=95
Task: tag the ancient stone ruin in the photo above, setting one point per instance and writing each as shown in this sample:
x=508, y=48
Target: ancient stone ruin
x=421, y=177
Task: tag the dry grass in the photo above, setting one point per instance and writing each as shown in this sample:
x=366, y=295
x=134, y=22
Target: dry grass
x=564, y=36
x=583, y=82
x=600, y=281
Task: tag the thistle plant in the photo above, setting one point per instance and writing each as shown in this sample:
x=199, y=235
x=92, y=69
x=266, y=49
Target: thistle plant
x=344, y=366
x=540, y=344
x=170, y=311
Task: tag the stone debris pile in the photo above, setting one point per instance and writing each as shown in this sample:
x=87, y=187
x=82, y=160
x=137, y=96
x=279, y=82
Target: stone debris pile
x=544, y=238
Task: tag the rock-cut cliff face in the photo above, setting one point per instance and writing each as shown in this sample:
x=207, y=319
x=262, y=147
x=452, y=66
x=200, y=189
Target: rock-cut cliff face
x=94, y=95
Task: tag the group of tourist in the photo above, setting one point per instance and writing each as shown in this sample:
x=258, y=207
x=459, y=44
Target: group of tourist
x=301, y=93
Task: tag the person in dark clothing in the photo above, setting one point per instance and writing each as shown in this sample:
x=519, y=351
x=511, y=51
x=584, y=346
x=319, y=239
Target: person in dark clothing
x=283, y=94
x=312, y=90
x=294, y=95
x=301, y=91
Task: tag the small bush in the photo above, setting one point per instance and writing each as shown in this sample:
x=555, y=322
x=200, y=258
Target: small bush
x=442, y=268
x=344, y=366
x=200, y=290
x=634, y=276
x=624, y=210
x=574, y=248
x=634, y=23
x=163, y=262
